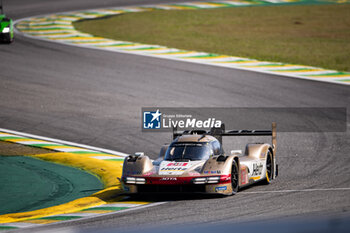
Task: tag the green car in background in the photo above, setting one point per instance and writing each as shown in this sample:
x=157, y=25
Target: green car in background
x=6, y=27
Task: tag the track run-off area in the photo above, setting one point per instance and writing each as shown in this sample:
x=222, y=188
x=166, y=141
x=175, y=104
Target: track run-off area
x=94, y=96
x=59, y=28
x=105, y=164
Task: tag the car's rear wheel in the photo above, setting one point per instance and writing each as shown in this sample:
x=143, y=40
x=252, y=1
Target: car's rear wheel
x=234, y=177
x=269, y=168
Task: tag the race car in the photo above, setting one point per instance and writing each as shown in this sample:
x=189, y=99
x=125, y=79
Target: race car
x=195, y=162
x=6, y=27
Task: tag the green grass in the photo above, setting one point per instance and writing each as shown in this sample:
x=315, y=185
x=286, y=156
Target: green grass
x=316, y=35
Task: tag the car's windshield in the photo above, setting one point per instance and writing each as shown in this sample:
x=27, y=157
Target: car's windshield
x=187, y=151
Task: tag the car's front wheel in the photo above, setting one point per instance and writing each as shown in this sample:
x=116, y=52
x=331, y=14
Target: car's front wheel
x=7, y=38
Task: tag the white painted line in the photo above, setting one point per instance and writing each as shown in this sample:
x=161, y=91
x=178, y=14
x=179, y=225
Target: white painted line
x=138, y=46
x=204, y=6
x=118, y=42
x=98, y=43
x=120, y=205
x=64, y=142
x=247, y=62
x=20, y=224
x=274, y=1
x=298, y=190
x=235, y=3
x=131, y=9
x=161, y=51
x=72, y=149
x=80, y=214
x=309, y=72
x=8, y=136
x=219, y=59
x=164, y=7
x=52, y=27
x=36, y=142
x=276, y=69
x=188, y=54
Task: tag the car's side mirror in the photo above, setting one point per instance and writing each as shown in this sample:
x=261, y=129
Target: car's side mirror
x=139, y=153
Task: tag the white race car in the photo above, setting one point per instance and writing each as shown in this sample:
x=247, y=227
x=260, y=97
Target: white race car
x=195, y=162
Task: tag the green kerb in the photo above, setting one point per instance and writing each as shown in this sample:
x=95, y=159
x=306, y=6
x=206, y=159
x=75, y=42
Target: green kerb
x=211, y=55
x=299, y=69
x=114, y=160
x=7, y=227
x=87, y=152
x=43, y=145
x=146, y=48
x=330, y=74
x=6, y=138
x=60, y=218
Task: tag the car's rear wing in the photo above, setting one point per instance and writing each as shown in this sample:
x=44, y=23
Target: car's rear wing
x=221, y=132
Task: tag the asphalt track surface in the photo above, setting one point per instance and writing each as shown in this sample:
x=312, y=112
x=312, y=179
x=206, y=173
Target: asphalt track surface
x=95, y=97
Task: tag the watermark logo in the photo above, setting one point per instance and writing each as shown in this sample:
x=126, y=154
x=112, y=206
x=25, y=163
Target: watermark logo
x=167, y=119
x=152, y=120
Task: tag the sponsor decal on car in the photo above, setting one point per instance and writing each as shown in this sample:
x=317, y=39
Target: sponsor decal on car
x=177, y=164
x=244, y=176
x=257, y=169
x=175, y=168
x=220, y=188
x=212, y=172
x=168, y=179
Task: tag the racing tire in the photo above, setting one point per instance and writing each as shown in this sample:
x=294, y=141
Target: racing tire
x=8, y=39
x=234, y=177
x=269, y=168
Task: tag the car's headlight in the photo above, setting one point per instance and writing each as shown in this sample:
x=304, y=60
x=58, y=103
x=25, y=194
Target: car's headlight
x=213, y=180
x=135, y=180
x=207, y=180
x=6, y=30
x=201, y=180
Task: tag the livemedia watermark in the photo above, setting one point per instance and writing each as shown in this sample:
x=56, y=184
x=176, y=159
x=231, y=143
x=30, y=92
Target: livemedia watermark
x=164, y=119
